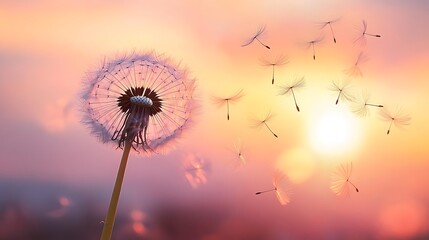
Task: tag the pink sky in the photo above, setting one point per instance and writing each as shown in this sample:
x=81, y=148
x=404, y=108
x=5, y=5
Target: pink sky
x=46, y=48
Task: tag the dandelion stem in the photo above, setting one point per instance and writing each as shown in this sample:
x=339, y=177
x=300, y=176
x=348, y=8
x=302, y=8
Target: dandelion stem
x=332, y=31
x=111, y=213
x=262, y=43
x=274, y=189
x=357, y=190
x=227, y=109
x=294, y=99
x=272, y=81
x=338, y=98
x=373, y=35
x=266, y=125
x=373, y=105
x=314, y=53
x=390, y=125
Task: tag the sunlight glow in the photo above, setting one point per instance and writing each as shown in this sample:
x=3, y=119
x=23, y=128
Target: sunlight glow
x=334, y=130
x=298, y=164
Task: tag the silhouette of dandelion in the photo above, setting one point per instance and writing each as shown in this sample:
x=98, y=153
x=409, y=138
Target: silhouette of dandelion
x=140, y=101
x=289, y=89
x=219, y=101
x=355, y=71
x=343, y=88
x=329, y=23
x=256, y=37
x=278, y=61
x=397, y=118
x=341, y=180
x=258, y=123
x=312, y=44
x=362, y=37
x=361, y=105
x=280, y=188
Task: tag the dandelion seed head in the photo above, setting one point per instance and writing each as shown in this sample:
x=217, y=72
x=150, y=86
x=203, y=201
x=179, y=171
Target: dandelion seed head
x=315, y=41
x=141, y=98
x=343, y=90
x=279, y=60
x=361, y=106
x=260, y=120
x=340, y=183
x=397, y=117
x=297, y=82
x=325, y=23
x=256, y=36
x=281, y=187
x=141, y=101
x=361, y=39
x=220, y=101
x=239, y=157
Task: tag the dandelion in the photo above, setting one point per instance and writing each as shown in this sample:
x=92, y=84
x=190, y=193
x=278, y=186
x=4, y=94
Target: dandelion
x=259, y=123
x=361, y=106
x=342, y=87
x=355, y=71
x=239, y=157
x=280, y=188
x=362, y=37
x=341, y=180
x=289, y=88
x=278, y=61
x=329, y=23
x=220, y=101
x=312, y=44
x=397, y=118
x=139, y=101
x=196, y=170
x=256, y=37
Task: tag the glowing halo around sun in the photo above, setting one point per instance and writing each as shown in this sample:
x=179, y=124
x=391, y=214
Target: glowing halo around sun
x=334, y=130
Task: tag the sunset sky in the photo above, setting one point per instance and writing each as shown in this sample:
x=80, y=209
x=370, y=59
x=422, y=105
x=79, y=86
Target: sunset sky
x=47, y=47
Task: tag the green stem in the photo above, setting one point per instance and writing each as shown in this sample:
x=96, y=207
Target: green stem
x=111, y=213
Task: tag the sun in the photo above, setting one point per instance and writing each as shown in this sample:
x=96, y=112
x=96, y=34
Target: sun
x=334, y=130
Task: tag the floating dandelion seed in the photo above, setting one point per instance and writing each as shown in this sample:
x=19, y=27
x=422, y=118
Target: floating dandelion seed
x=259, y=123
x=278, y=61
x=343, y=88
x=232, y=99
x=140, y=101
x=355, y=71
x=398, y=118
x=289, y=88
x=280, y=188
x=362, y=37
x=341, y=180
x=329, y=23
x=256, y=37
x=239, y=157
x=361, y=106
x=196, y=170
x=312, y=44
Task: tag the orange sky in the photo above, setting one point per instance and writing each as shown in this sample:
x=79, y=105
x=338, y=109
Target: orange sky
x=47, y=46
